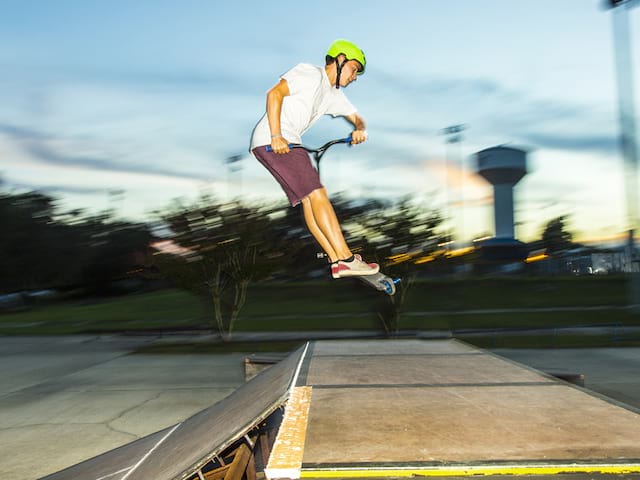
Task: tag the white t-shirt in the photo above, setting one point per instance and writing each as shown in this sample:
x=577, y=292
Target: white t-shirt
x=310, y=96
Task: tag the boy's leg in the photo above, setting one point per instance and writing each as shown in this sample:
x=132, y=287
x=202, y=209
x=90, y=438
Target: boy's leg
x=316, y=232
x=323, y=224
x=296, y=176
x=321, y=217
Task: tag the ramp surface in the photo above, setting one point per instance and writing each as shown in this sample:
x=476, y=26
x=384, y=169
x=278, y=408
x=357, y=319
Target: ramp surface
x=395, y=408
x=178, y=451
x=443, y=408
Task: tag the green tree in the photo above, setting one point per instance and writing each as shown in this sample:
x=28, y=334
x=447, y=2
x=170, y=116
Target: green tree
x=555, y=238
x=42, y=247
x=114, y=251
x=410, y=231
x=395, y=234
x=225, y=248
x=36, y=251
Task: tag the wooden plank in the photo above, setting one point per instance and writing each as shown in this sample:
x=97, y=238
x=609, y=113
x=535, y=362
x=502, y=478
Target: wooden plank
x=240, y=461
x=286, y=457
x=265, y=446
x=250, y=473
x=217, y=474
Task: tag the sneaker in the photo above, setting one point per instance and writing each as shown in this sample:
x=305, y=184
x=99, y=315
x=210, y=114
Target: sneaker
x=354, y=268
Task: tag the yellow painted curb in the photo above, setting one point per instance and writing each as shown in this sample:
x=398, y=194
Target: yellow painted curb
x=472, y=470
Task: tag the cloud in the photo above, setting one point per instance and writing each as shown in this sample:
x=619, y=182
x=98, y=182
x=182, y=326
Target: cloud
x=573, y=142
x=57, y=189
x=53, y=151
x=493, y=112
x=49, y=156
x=21, y=133
x=182, y=81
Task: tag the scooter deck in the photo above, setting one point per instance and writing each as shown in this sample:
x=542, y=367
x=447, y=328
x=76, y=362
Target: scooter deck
x=380, y=282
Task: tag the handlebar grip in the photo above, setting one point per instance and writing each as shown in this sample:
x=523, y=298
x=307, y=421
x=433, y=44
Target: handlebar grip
x=269, y=149
x=348, y=139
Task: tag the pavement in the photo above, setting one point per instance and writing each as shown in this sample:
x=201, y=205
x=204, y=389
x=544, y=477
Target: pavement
x=612, y=372
x=66, y=399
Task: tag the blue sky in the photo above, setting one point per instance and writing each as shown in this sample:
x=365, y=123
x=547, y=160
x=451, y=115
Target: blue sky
x=150, y=98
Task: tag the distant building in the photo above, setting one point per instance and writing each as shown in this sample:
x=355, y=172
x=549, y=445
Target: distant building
x=610, y=262
x=583, y=261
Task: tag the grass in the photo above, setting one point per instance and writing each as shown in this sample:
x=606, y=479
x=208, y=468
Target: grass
x=169, y=309
x=452, y=305
x=216, y=348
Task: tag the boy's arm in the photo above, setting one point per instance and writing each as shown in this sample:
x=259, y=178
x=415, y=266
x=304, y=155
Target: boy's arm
x=275, y=97
x=359, y=133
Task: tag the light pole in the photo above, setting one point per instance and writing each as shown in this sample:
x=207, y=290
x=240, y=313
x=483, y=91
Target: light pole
x=453, y=135
x=233, y=166
x=628, y=143
x=116, y=196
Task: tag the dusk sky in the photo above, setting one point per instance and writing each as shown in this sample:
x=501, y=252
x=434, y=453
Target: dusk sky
x=149, y=97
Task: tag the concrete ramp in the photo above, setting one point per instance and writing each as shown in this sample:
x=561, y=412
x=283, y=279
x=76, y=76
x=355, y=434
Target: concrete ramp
x=388, y=409
x=182, y=450
x=443, y=408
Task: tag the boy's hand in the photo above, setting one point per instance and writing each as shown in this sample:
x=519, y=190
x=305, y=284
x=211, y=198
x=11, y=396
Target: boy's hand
x=358, y=136
x=280, y=145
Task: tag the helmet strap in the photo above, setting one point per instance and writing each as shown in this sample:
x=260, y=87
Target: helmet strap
x=339, y=72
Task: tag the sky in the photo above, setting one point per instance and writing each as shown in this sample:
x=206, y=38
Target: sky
x=131, y=105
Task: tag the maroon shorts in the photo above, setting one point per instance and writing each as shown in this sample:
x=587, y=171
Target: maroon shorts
x=292, y=170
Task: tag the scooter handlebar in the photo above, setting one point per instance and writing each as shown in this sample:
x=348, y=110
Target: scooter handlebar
x=348, y=139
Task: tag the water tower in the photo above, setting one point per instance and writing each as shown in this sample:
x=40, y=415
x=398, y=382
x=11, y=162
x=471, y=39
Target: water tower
x=502, y=167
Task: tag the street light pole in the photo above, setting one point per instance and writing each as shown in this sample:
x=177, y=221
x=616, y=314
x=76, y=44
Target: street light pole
x=233, y=165
x=453, y=136
x=628, y=143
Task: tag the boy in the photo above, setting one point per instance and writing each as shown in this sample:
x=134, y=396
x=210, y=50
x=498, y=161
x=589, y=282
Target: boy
x=297, y=101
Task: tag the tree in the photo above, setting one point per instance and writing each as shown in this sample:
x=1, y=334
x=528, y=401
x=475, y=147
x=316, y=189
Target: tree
x=409, y=232
x=396, y=234
x=41, y=247
x=555, y=237
x=36, y=251
x=225, y=248
x=115, y=249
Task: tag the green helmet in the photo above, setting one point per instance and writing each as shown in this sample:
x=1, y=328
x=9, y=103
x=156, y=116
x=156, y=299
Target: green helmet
x=349, y=50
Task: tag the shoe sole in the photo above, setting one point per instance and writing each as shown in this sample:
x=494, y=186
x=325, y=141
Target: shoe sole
x=353, y=273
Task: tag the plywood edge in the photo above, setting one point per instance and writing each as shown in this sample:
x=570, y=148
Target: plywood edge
x=285, y=460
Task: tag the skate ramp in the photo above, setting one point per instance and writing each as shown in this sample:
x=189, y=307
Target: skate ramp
x=392, y=409
x=443, y=408
x=179, y=451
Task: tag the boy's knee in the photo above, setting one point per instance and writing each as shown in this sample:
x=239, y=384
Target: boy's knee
x=318, y=194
